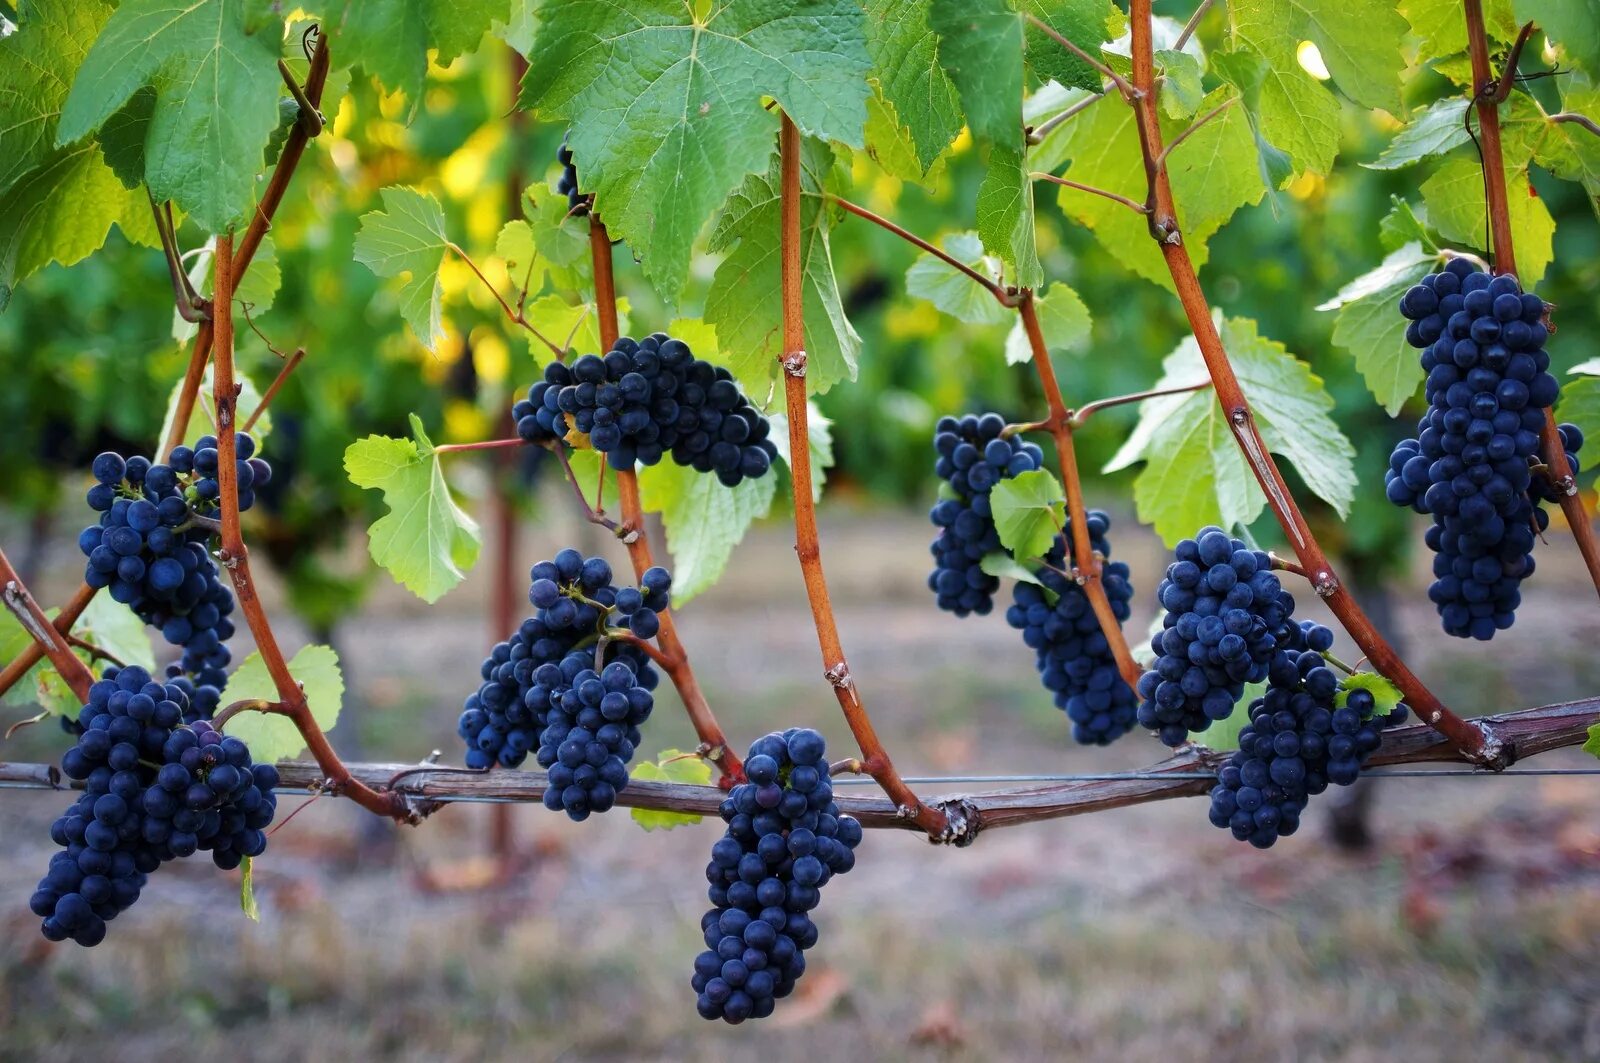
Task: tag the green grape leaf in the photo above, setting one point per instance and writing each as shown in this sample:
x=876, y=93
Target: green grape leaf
x=40, y=685
x=571, y=325
x=673, y=765
x=980, y=47
x=205, y=407
x=819, y=433
x=889, y=143
x=271, y=737
x=1441, y=29
x=1568, y=150
x=216, y=99
x=1002, y=565
x=1573, y=24
x=518, y=29
x=116, y=629
x=425, y=541
x=408, y=237
x=587, y=465
x=1213, y=173
x=58, y=212
x=1086, y=23
x=668, y=107
x=744, y=303
x=1029, y=511
x=1370, y=327
x=919, y=95
x=123, y=135
x=1580, y=401
x=560, y=238
x=954, y=292
x=1359, y=41
x=1592, y=746
x=1404, y=225
x=390, y=39
x=1385, y=694
x=1292, y=116
x=1195, y=472
x=36, y=66
x=247, y=890
x=1063, y=319
x=1454, y=198
x=1181, y=91
x=704, y=520
x=1434, y=130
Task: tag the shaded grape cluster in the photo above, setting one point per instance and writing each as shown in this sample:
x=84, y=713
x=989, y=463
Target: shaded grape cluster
x=567, y=183
x=1305, y=732
x=1542, y=486
x=649, y=398
x=544, y=689
x=1226, y=616
x=785, y=839
x=1488, y=387
x=150, y=552
x=1074, y=659
x=973, y=456
x=155, y=789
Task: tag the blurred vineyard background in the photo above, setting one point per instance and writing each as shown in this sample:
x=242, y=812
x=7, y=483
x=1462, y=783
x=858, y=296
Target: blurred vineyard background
x=1467, y=929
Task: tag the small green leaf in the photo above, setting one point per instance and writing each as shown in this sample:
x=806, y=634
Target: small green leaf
x=704, y=520
x=408, y=238
x=819, y=430
x=1370, y=327
x=1063, y=319
x=1580, y=404
x=425, y=541
x=672, y=766
x=561, y=238
x=1403, y=225
x=1454, y=196
x=247, y=890
x=1181, y=91
x=216, y=102
x=271, y=737
x=1195, y=472
x=1592, y=746
x=1385, y=694
x=1434, y=130
x=205, y=409
x=1029, y=511
x=954, y=292
x=1002, y=565
x=1223, y=735
x=1005, y=213
x=114, y=628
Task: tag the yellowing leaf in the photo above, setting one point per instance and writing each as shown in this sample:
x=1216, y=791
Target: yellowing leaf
x=272, y=737
x=672, y=766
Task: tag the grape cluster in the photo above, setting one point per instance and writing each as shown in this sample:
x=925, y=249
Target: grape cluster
x=1488, y=386
x=1226, y=615
x=648, y=398
x=785, y=839
x=973, y=457
x=1299, y=739
x=1070, y=650
x=567, y=184
x=1542, y=487
x=155, y=788
x=150, y=553
x=544, y=688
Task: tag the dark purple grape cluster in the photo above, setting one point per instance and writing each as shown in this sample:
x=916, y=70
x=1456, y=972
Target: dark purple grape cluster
x=1543, y=487
x=974, y=455
x=545, y=689
x=786, y=837
x=1488, y=387
x=151, y=554
x=1070, y=650
x=567, y=184
x=1299, y=739
x=132, y=746
x=649, y=398
x=1226, y=616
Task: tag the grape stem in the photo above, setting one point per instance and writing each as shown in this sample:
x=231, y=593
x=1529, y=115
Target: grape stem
x=807, y=545
x=289, y=366
x=97, y=652
x=595, y=514
x=1486, y=96
x=234, y=556
x=482, y=444
x=1580, y=119
x=1190, y=26
x=1086, y=563
x=513, y=314
x=1476, y=742
x=233, y=709
x=1136, y=207
x=51, y=642
x=1038, y=132
x=1128, y=91
x=674, y=659
x=1088, y=410
x=1288, y=565
x=1002, y=295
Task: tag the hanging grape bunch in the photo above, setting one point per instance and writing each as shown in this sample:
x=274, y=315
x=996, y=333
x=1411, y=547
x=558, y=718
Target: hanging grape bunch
x=1469, y=467
x=974, y=455
x=546, y=690
x=646, y=399
x=567, y=183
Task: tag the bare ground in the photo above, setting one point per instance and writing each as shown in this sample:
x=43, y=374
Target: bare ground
x=1467, y=932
